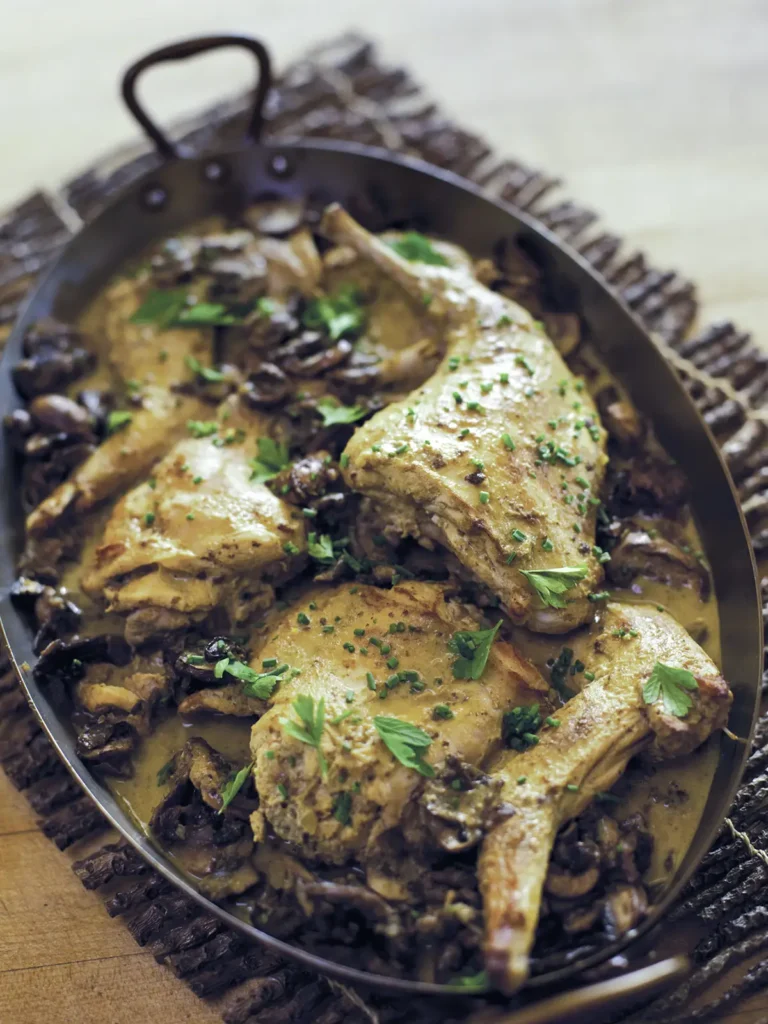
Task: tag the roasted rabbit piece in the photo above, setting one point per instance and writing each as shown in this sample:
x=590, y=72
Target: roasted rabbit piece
x=369, y=661
x=198, y=534
x=498, y=457
x=654, y=688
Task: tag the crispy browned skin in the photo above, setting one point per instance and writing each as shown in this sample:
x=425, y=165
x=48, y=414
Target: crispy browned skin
x=500, y=375
x=600, y=729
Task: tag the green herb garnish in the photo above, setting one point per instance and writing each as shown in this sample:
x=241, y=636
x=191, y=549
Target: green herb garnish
x=203, y=371
x=550, y=584
x=256, y=684
x=342, y=807
x=118, y=419
x=165, y=772
x=310, y=731
x=320, y=547
x=233, y=786
x=337, y=314
x=206, y=314
x=334, y=414
x=272, y=458
x=202, y=428
x=673, y=686
x=160, y=308
x=473, y=648
x=519, y=727
x=417, y=248
x=405, y=742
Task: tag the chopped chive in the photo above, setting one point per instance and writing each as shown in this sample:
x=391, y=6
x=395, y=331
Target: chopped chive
x=328, y=629
x=442, y=711
x=303, y=619
x=370, y=680
x=149, y=518
x=519, y=535
x=572, y=788
x=553, y=722
x=547, y=544
x=392, y=662
x=484, y=497
x=508, y=442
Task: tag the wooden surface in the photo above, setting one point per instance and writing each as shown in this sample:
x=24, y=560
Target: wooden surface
x=654, y=112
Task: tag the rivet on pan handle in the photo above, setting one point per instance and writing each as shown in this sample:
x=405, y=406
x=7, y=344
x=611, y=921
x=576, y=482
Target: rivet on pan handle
x=584, y=1004
x=190, y=48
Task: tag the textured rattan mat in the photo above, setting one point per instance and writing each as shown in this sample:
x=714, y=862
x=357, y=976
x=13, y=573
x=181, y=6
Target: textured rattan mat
x=340, y=90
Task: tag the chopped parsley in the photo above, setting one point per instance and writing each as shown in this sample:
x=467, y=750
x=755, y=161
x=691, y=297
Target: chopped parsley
x=233, y=786
x=442, y=711
x=206, y=314
x=337, y=314
x=673, y=686
x=160, y=308
x=309, y=729
x=272, y=458
x=473, y=648
x=551, y=584
x=203, y=371
x=342, y=808
x=519, y=727
x=202, y=428
x=255, y=684
x=118, y=419
x=405, y=742
x=417, y=248
x=320, y=547
x=334, y=414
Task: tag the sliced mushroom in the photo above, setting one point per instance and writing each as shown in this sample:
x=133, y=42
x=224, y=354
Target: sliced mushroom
x=656, y=558
x=266, y=386
x=625, y=906
x=275, y=216
x=57, y=414
x=568, y=886
x=224, y=700
x=53, y=358
x=581, y=919
x=624, y=425
x=99, y=698
x=145, y=623
x=648, y=484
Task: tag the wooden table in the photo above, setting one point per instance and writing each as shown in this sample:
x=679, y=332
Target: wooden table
x=655, y=112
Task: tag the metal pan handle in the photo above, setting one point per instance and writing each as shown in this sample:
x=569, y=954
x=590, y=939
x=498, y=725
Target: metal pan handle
x=190, y=48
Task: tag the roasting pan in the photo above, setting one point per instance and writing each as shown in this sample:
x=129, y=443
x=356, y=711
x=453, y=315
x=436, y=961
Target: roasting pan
x=381, y=191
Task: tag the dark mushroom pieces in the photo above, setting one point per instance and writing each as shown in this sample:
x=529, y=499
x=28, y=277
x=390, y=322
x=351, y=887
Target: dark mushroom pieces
x=266, y=387
x=212, y=842
x=649, y=484
x=278, y=217
x=625, y=906
x=656, y=558
x=53, y=358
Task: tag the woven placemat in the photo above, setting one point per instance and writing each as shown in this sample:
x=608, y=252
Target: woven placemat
x=341, y=90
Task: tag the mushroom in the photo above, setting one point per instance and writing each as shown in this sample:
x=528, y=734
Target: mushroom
x=308, y=478
x=656, y=558
x=306, y=355
x=53, y=358
x=624, y=424
x=581, y=919
x=625, y=906
x=569, y=886
x=175, y=262
x=266, y=386
x=223, y=700
x=239, y=278
x=648, y=484
x=57, y=414
x=277, y=217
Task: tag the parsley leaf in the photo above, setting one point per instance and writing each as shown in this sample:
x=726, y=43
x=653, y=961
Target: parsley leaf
x=333, y=413
x=418, y=249
x=338, y=314
x=519, y=727
x=202, y=428
x=670, y=684
x=233, y=786
x=118, y=419
x=320, y=547
x=342, y=807
x=473, y=648
x=311, y=729
x=549, y=584
x=203, y=371
x=257, y=684
x=272, y=458
x=160, y=308
x=206, y=314
x=405, y=742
